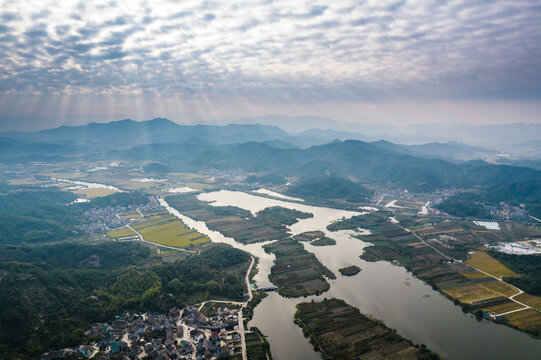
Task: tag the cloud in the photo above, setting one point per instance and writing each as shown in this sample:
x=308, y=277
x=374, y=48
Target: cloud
x=359, y=51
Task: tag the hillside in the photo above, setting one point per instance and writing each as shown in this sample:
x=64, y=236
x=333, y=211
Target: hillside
x=330, y=187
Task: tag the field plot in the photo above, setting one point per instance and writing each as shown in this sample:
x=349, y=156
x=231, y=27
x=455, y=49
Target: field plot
x=529, y=320
x=297, y=272
x=164, y=229
x=482, y=291
x=119, y=233
x=503, y=308
x=340, y=331
x=92, y=193
x=257, y=347
x=533, y=301
x=235, y=222
x=482, y=261
x=471, y=293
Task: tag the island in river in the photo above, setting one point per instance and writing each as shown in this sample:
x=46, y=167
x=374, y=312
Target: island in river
x=340, y=331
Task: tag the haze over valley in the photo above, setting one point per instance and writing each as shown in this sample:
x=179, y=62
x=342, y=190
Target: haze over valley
x=270, y=180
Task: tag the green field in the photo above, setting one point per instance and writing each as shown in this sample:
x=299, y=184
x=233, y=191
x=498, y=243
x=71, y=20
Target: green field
x=123, y=232
x=167, y=230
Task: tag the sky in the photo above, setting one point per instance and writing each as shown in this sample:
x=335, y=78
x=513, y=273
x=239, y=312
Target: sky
x=396, y=62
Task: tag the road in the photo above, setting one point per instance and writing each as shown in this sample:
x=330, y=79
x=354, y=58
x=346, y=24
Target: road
x=141, y=238
x=512, y=297
x=246, y=279
x=160, y=245
x=242, y=336
x=424, y=242
x=533, y=217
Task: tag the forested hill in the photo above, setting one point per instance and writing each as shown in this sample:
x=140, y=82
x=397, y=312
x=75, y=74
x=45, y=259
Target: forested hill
x=364, y=161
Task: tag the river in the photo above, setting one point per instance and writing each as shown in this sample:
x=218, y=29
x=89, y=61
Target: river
x=381, y=289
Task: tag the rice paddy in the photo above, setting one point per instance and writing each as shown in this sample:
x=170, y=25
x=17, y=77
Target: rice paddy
x=123, y=232
x=531, y=300
x=529, y=320
x=482, y=291
x=164, y=229
x=482, y=261
x=94, y=192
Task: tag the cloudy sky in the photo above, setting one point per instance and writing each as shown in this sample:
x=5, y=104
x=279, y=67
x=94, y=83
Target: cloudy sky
x=365, y=61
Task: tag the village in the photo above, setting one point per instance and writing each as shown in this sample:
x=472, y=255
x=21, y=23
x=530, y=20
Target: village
x=180, y=334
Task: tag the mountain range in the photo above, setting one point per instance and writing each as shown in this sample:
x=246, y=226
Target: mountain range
x=271, y=150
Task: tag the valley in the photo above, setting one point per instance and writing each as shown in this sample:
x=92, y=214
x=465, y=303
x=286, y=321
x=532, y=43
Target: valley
x=321, y=238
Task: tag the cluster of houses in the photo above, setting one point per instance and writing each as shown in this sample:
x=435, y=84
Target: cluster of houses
x=101, y=219
x=177, y=335
x=104, y=219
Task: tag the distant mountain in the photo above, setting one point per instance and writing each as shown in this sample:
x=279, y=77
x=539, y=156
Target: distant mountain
x=532, y=163
x=23, y=151
x=364, y=161
x=291, y=124
x=448, y=151
x=125, y=134
x=329, y=135
x=279, y=144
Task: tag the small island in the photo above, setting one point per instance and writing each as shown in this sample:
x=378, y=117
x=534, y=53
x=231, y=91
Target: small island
x=350, y=270
x=316, y=238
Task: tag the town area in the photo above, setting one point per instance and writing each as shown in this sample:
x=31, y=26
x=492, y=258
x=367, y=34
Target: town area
x=180, y=334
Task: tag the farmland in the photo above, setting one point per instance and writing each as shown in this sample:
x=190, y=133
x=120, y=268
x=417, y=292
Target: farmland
x=458, y=280
x=120, y=233
x=164, y=229
x=297, y=272
x=237, y=223
x=340, y=331
x=484, y=262
x=92, y=193
x=257, y=346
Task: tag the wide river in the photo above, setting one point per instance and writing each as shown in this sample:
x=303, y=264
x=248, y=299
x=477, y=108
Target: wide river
x=381, y=289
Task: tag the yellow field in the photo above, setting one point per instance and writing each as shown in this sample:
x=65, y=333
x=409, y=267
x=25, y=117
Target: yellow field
x=474, y=274
x=64, y=175
x=25, y=181
x=501, y=288
x=200, y=186
x=488, y=264
x=503, y=308
x=533, y=301
x=527, y=319
x=120, y=233
x=225, y=219
x=173, y=233
x=471, y=293
x=482, y=291
x=94, y=193
x=153, y=221
x=134, y=185
x=131, y=216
